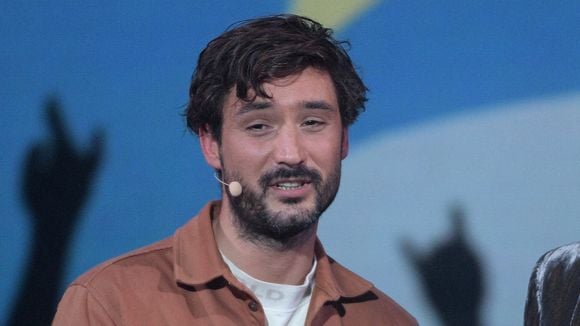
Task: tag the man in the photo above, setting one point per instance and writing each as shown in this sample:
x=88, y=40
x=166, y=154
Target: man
x=271, y=101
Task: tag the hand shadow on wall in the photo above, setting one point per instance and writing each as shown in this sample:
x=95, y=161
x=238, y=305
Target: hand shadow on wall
x=56, y=183
x=451, y=275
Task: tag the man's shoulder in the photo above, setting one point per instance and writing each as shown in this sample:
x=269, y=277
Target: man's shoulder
x=371, y=301
x=391, y=308
x=147, y=261
x=131, y=282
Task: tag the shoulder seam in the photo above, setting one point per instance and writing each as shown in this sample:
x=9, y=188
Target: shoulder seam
x=90, y=291
x=113, y=261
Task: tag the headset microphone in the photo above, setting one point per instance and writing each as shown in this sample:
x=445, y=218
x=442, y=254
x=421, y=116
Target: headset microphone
x=234, y=187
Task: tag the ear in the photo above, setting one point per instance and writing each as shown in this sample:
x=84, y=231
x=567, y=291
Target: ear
x=344, y=143
x=210, y=148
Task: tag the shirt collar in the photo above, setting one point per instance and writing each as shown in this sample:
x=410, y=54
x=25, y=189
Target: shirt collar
x=335, y=280
x=198, y=260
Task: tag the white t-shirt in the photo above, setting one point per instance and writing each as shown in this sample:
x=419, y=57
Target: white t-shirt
x=283, y=304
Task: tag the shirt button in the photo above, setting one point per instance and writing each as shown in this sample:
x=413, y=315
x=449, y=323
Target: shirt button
x=253, y=305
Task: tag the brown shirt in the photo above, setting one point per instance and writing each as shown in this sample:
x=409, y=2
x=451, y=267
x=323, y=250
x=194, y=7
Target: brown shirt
x=183, y=280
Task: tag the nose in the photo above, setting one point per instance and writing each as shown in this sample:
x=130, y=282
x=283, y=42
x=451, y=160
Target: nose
x=289, y=147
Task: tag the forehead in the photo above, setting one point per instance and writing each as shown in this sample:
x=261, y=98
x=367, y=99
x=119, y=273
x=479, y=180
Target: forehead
x=310, y=85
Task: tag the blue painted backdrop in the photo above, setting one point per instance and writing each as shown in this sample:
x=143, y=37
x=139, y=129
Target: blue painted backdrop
x=470, y=102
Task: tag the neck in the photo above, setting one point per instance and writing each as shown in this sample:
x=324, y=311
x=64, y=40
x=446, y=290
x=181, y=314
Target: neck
x=264, y=260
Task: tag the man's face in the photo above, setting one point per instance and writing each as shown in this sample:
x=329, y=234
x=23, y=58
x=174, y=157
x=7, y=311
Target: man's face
x=286, y=151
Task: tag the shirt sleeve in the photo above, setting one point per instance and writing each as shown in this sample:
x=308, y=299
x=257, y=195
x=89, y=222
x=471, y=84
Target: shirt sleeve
x=79, y=306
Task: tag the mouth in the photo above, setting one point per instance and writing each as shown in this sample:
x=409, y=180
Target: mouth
x=290, y=185
x=293, y=184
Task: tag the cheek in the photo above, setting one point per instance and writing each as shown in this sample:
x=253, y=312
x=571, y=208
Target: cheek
x=326, y=155
x=243, y=157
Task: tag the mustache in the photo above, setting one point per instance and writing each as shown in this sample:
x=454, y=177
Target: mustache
x=295, y=172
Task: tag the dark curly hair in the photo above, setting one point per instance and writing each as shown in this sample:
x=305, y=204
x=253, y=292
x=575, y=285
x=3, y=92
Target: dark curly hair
x=264, y=49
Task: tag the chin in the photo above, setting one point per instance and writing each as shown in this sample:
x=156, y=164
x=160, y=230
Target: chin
x=290, y=206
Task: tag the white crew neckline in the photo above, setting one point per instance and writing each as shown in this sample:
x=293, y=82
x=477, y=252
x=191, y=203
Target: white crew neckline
x=275, y=296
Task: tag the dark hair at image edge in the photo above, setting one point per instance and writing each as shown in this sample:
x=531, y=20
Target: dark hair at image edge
x=260, y=50
x=554, y=288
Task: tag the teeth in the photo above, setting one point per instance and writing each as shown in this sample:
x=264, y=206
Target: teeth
x=289, y=185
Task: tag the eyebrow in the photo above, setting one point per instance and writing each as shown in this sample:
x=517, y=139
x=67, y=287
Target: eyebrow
x=253, y=106
x=321, y=105
x=312, y=105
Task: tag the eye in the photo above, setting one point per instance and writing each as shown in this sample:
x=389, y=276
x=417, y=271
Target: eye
x=258, y=128
x=314, y=124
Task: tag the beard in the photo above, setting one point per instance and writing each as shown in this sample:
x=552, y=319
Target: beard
x=286, y=228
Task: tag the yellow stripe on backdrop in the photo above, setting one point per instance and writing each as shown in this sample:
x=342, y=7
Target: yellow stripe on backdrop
x=335, y=14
